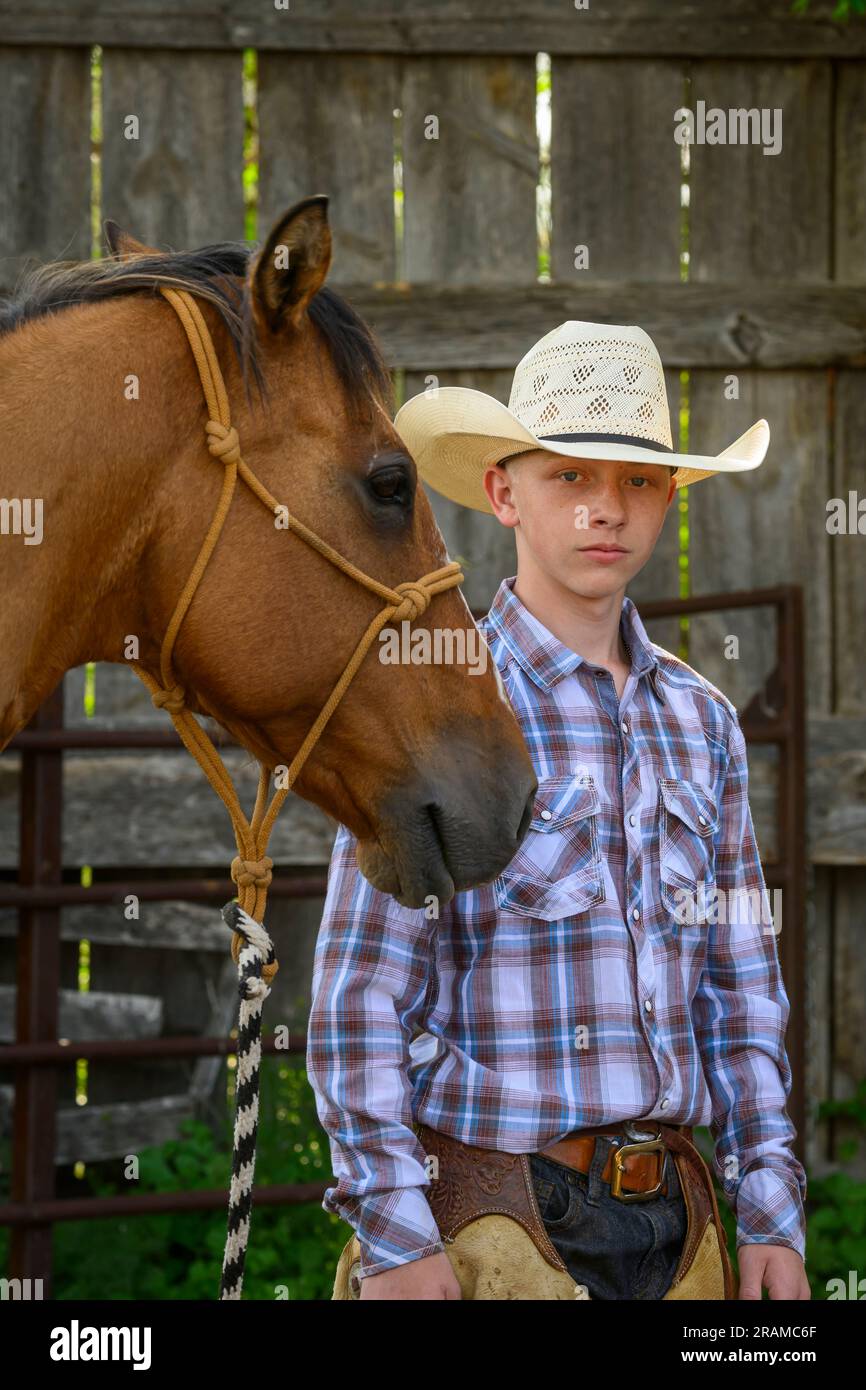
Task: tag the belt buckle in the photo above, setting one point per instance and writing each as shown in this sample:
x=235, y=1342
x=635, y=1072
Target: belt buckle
x=653, y=1145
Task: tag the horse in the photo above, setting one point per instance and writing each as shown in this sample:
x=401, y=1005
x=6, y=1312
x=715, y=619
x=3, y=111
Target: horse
x=102, y=420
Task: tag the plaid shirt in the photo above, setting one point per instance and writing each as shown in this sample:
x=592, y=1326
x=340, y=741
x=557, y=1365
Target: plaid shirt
x=612, y=971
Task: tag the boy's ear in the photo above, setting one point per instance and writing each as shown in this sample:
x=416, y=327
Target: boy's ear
x=293, y=263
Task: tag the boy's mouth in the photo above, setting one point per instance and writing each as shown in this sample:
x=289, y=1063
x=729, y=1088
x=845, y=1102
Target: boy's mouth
x=607, y=553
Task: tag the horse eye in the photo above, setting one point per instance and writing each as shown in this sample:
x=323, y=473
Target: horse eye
x=390, y=485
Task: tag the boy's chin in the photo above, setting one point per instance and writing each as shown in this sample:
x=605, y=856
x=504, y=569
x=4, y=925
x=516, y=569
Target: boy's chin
x=602, y=584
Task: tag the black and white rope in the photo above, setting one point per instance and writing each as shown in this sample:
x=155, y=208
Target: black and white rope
x=257, y=951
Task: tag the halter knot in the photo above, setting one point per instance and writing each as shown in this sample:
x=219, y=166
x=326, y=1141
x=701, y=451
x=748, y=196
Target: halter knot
x=173, y=699
x=416, y=601
x=223, y=441
x=252, y=873
x=247, y=932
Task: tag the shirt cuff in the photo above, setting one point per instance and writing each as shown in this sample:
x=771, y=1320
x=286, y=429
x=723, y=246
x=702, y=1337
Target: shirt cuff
x=769, y=1210
x=393, y=1228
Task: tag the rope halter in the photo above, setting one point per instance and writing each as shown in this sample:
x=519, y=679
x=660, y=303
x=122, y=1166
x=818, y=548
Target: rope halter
x=252, y=948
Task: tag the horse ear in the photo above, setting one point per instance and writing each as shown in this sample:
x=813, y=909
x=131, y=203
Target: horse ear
x=293, y=263
x=123, y=244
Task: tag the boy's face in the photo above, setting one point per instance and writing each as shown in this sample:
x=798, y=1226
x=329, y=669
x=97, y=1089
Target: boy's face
x=563, y=509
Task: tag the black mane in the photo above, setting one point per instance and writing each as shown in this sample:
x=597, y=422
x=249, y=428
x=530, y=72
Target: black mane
x=217, y=274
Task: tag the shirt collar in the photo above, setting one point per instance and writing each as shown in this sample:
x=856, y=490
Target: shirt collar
x=545, y=658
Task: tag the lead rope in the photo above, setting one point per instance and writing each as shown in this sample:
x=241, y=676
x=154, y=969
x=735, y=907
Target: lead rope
x=252, y=948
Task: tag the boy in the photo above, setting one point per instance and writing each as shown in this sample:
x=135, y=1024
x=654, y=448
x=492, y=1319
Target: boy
x=591, y=997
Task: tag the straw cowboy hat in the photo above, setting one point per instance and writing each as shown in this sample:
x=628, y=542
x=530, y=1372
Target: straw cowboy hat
x=585, y=390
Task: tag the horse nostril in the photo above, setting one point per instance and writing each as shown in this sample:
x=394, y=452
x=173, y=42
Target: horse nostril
x=525, y=818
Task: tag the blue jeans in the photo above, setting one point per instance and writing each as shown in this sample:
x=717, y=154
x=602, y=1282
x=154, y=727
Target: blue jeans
x=620, y=1250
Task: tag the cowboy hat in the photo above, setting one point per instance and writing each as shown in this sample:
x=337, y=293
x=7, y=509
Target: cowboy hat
x=585, y=390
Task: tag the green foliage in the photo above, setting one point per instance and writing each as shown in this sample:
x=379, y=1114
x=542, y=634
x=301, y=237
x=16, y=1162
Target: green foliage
x=853, y=1110
x=843, y=11
x=178, y=1255
x=835, y=1205
x=836, y=1240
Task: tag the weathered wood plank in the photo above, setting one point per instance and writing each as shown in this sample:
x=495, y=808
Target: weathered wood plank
x=836, y=790
x=178, y=183
x=495, y=383
x=485, y=549
x=615, y=169
x=332, y=132
x=849, y=550
x=849, y=181
x=738, y=324
x=843, y=770
x=849, y=392
x=44, y=157
x=630, y=27
x=181, y=983
x=615, y=191
x=194, y=980
x=157, y=809
x=96, y=1015
x=470, y=165
x=836, y=795
x=469, y=218
x=93, y=1133
x=753, y=216
x=733, y=325
x=764, y=800
x=738, y=676
x=163, y=926
x=761, y=527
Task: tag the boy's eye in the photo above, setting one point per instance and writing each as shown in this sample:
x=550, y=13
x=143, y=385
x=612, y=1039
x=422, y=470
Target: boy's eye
x=570, y=473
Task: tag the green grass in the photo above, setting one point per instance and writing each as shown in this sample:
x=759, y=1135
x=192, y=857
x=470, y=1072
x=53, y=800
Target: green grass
x=293, y=1250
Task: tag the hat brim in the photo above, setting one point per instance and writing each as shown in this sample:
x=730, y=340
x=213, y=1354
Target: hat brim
x=455, y=433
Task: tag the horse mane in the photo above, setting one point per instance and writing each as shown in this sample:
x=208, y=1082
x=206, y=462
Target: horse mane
x=218, y=274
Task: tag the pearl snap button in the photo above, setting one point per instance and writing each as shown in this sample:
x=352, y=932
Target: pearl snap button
x=631, y=820
x=546, y=815
x=625, y=726
x=702, y=820
x=636, y=913
x=648, y=1005
x=665, y=1103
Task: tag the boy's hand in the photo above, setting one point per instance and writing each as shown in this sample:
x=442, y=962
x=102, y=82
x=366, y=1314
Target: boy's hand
x=430, y=1277
x=775, y=1267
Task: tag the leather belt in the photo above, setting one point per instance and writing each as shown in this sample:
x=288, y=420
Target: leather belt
x=635, y=1169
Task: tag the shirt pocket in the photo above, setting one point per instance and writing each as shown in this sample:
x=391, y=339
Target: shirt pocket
x=688, y=820
x=557, y=870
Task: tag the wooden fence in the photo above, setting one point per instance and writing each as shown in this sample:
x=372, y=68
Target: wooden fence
x=755, y=274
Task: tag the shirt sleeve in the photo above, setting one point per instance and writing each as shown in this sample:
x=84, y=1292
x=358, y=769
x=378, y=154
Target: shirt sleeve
x=370, y=980
x=740, y=1015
